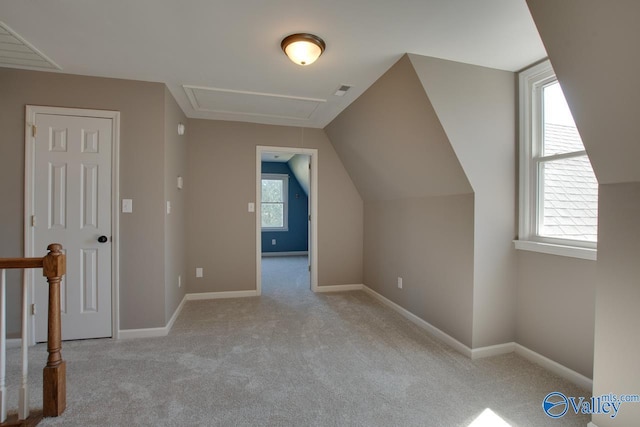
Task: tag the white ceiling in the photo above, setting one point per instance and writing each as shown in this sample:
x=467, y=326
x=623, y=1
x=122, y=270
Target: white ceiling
x=233, y=47
x=276, y=157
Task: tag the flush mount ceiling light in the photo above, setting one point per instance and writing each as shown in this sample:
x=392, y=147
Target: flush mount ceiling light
x=303, y=48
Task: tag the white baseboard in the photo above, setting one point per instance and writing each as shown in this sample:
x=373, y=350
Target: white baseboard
x=339, y=288
x=493, y=350
x=163, y=331
x=126, y=334
x=14, y=342
x=220, y=295
x=591, y=424
x=293, y=253
x=176, y=313
x=555, y=367
x=432, y=330
x=153, y=332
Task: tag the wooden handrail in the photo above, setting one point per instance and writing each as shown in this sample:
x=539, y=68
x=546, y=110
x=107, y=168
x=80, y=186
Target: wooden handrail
x=54, y=374
x=10, y=263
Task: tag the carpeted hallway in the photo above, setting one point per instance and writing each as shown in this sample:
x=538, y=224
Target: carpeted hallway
x=293, y=358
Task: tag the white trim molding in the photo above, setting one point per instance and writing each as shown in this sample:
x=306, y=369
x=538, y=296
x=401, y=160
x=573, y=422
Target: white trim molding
x=164, y=330
x=493, y=350
x=14, y=342
x=555, y=367
x=313, y=209
x=531, y=83
x=126, y=334
x=176, y=314
x=431, y=330
x=153, y=332
x=553, y=249
x=339, y=288
x=591, y=424
x=220, y=295
x=292, y=253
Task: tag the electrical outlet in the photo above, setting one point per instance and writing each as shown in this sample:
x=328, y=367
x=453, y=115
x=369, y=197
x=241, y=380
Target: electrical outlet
x=399, y=282
x=179, y=281
x=199, y=272
x=273, y=242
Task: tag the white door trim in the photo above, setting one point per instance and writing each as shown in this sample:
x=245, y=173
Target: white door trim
x=29, y=193
x=313, y=244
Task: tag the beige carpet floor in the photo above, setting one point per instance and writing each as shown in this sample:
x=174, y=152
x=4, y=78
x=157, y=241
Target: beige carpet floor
x=293, y=358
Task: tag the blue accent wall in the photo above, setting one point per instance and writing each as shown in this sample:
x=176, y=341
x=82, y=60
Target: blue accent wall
x=296, y=239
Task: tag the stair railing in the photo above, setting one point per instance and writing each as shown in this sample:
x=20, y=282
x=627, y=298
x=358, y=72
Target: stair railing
x=54, y=375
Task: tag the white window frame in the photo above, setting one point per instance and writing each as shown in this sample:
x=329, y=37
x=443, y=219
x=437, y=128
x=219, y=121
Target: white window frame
x=285, y=189
x=531, y=83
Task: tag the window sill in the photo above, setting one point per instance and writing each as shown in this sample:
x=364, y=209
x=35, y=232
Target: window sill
x=554, y=249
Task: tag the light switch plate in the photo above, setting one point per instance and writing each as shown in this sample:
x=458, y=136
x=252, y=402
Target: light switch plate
x=180, y=183
x=252, y=207
x=199, y=272
x=168, y=207
x=127, y=205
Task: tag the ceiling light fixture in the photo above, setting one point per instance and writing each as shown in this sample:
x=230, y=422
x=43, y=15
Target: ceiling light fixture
x=303, y=48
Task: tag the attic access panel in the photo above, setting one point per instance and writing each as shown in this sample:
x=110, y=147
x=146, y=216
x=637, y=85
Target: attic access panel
x=244, y=103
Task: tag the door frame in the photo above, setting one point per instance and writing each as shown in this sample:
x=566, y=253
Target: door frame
x=29, y=205
x=313, y=198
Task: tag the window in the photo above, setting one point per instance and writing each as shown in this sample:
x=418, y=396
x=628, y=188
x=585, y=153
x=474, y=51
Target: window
x=558, y=189
x=275, y=195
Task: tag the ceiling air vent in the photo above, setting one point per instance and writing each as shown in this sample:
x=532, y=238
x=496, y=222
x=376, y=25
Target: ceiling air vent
x=342, y=90
x=16, y=52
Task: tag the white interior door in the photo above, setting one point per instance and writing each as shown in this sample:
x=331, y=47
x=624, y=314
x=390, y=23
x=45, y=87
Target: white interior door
x=72, y=206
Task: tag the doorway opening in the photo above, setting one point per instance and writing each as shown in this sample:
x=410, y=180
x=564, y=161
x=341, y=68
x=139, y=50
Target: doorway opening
x=286, y=212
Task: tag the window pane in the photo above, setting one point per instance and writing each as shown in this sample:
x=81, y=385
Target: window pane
x=570, y=200
x=272, y=190
x=560, y=133
x=273, y=215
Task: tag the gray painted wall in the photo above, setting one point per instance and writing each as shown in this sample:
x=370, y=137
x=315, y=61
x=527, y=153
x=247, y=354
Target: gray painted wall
x=556, y=308
x=398, y=154
x=141, y=137
x=476, y=106
x=175, y=164
x=617, y=341
x=221, y=233
x=593, y=48
x=429, y=243
x=392, y=142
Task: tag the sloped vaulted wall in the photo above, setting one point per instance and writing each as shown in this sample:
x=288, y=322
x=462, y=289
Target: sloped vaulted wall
x=393, y=144
x=418, y=204
x=431, y=148
x=593, y=47
x=476, y=106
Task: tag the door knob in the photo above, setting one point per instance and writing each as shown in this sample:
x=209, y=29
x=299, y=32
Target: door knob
x=102, y=239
